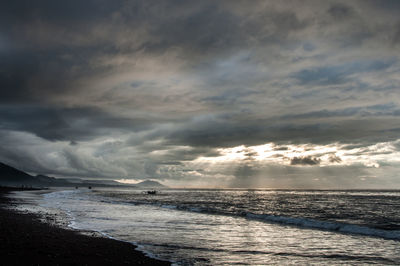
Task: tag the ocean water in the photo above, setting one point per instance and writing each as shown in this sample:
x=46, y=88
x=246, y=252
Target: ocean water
x=254, y=227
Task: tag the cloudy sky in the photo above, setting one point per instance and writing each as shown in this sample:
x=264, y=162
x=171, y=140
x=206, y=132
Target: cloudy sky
x=286, y=94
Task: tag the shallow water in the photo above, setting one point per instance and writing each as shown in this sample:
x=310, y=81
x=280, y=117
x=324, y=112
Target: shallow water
x=211, y=227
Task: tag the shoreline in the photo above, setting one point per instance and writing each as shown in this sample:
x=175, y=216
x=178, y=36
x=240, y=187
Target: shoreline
x=25, y=239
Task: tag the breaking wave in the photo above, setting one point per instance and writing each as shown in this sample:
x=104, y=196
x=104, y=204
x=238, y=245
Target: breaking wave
x=296, y=221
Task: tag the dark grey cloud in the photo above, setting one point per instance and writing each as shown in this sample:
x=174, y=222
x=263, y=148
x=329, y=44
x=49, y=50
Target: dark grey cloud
x=338, y=74
x=71, y=11
x=222, y=132
x=340, y=11
x=174, y=157
x=282, y=148
x=62, y=123
x=307, y=160
x=388, y=110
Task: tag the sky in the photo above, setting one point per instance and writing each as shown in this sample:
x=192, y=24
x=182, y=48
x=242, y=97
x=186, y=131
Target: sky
x=274, y=94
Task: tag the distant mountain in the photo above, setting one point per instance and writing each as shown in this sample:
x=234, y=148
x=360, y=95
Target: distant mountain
x=10, y=176
x=101, y=182
x=150, y=184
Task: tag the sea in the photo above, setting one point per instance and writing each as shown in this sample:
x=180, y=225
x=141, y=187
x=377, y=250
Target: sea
x=237, y=226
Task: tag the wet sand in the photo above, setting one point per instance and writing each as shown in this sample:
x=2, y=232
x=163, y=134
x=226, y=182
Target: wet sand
x=25, y=240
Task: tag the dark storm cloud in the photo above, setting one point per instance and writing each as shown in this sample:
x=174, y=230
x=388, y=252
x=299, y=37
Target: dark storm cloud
x=64, y=52
x=49, y=45
x=213, y=28
x=35, y=75
x=72, y=11
x=71, y=124
x=228, y=132
x=167, y=82
x=53, y=45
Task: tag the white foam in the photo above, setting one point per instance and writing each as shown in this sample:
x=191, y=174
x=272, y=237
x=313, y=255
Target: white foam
x=324, y=225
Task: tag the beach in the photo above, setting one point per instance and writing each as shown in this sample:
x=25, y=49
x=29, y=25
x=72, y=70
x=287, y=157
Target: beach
x=26, y=240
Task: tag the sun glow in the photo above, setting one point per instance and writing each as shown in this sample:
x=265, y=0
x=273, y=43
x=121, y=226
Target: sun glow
x=321, y=155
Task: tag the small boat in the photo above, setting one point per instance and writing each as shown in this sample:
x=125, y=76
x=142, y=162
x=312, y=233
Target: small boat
x=150, y=192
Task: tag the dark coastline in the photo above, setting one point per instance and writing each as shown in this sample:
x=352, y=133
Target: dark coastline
x=25, y=240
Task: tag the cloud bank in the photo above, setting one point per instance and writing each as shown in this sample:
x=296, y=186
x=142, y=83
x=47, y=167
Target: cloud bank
x=167, y=90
